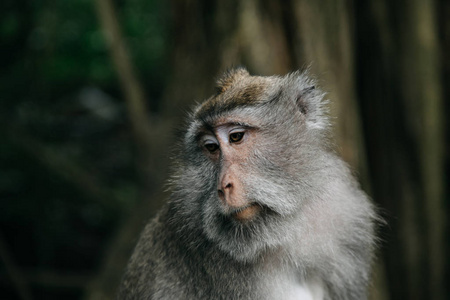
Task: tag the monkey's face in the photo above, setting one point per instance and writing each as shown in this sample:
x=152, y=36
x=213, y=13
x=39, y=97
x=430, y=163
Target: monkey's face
x=229, y=146
x=254, y=190
x=247, y=176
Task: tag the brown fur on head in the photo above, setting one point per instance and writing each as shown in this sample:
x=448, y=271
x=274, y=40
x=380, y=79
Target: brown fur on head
x=229, y=78
x=236, y=88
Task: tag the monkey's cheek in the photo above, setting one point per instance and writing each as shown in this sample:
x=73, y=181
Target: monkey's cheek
x=247, y=213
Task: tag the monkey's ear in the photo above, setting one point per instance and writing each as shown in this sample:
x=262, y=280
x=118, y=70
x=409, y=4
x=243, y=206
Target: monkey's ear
x=309, y=101
x=229, y=78
x=300, y=101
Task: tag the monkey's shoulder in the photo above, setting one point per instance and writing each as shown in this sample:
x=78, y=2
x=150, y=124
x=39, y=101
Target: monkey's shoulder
x=139, y=279
x=172, y=263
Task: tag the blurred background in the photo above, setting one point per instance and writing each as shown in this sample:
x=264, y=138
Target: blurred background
x=92, y=93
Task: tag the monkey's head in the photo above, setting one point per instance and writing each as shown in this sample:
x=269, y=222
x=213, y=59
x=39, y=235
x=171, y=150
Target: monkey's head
x=251, y=160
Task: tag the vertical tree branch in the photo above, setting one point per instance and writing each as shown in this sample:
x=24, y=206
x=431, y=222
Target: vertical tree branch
x=133, y=91
x=422, y=90
x=150, y=161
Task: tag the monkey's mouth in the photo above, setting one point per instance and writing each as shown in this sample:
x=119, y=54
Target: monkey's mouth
x=247, y=212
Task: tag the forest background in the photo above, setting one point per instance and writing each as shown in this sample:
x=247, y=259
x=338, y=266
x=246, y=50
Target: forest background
x=92, y=93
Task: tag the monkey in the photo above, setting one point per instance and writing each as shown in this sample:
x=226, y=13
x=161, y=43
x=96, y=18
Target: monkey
x=261, y=206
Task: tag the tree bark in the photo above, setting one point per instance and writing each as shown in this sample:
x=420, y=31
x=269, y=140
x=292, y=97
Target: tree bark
x=422, y=96
x=401, y=87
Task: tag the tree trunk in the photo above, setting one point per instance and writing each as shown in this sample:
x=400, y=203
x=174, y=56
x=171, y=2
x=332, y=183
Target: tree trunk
x=400, y=91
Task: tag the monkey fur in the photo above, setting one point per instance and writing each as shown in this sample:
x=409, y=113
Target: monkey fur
x=290, y=223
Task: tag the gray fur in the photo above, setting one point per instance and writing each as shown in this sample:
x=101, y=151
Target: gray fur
x=316, y=228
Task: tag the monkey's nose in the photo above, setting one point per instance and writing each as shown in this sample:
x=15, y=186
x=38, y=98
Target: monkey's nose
x=225, y=191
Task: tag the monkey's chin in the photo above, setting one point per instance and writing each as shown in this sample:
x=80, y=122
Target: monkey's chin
x=243, y=233
x=247, y=213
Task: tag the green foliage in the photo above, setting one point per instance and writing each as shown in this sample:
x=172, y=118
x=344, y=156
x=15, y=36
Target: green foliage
x=62, y=118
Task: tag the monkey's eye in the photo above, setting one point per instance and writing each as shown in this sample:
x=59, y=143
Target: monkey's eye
x=236, y=136
x=211, y=147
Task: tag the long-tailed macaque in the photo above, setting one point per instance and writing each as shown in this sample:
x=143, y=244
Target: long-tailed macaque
x=261, y=206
